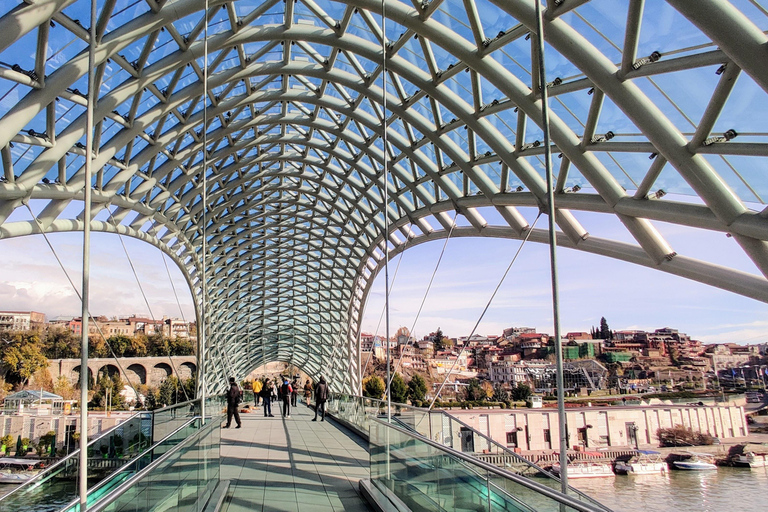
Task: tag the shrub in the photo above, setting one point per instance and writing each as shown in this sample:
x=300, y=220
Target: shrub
x=680, y=435
x=7, y=440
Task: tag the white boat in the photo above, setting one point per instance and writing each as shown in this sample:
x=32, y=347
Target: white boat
x=751, y=459
x=643, y=462
x=694, y=462
x=585, y=469
x=18, y=471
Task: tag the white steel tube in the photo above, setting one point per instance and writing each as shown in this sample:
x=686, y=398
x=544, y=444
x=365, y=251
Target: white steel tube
x=552, y=251
x=92, y=96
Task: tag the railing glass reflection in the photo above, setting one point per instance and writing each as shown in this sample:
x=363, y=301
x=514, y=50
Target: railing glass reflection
x=426, y=475
x=442, y=428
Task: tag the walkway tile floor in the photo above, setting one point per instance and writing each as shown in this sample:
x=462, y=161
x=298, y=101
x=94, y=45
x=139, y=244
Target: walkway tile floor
x=293, y=464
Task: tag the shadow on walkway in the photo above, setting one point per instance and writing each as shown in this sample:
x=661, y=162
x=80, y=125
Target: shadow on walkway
x=292, y=464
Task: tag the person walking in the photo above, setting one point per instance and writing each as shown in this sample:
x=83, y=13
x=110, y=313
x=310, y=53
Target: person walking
x=285, y=393
x=257, y=385
x=321, y=396
x=266, y=395
x=295, y=392
x=307, y=391
x=234, y=396
x=273, y=389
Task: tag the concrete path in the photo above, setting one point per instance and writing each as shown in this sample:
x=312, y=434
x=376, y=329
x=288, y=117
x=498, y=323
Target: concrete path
x=293, y=464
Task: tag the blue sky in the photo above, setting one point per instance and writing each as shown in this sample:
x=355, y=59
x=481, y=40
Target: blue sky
x=629, y=296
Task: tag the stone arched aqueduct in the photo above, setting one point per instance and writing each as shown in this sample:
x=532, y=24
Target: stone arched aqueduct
x=140, y=370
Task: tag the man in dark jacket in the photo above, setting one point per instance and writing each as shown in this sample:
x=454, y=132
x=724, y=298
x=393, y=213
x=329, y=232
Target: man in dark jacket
x=321, y=396
x=234, y=395
x=286, y=390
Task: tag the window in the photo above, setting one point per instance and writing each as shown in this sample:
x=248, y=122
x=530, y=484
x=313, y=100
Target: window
x=512, y=439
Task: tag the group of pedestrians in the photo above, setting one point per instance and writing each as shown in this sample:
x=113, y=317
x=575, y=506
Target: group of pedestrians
x=269, y=391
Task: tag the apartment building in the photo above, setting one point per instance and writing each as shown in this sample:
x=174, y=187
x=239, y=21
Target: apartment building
x=21, y=320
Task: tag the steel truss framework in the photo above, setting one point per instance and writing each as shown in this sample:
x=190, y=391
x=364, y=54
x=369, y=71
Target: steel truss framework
x=295, y=213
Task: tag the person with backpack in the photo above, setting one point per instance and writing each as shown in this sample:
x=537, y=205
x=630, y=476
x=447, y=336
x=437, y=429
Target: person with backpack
x=285, y=393
x=266, y=395
x=321, y=396
x=234, y=397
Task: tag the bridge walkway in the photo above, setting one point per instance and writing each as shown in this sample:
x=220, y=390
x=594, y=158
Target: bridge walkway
x=293, y=464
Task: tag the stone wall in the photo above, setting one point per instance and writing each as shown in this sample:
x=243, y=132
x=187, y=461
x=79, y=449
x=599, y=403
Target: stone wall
x=141, y=370
x=34, y=427
x=599, y=427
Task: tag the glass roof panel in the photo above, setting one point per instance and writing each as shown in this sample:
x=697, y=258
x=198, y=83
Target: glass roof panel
x=326, y=198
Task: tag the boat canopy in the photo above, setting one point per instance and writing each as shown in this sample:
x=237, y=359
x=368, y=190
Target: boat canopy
x=21, y=462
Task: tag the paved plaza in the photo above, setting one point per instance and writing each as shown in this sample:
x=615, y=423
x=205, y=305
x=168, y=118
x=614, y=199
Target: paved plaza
x=293, y=464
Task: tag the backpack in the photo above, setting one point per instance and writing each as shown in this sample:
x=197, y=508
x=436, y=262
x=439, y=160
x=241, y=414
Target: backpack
x=287, y=389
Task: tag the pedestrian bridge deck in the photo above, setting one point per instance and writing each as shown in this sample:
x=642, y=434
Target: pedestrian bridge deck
x=293, y=464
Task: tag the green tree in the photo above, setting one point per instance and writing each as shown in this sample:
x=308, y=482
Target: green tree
x=120, y=344
x=138, y=346
x=170, y=392
x=64, y=388
x=398, y=389
x=474, y=391
x=373, y=387
x=190, y=386
x=417, y=389
x=151, y=400
x=181, y=346
x=108, y=385
x=437, y=339
x=21, y=356
x=674, y=355
x=605, y=331
x=158, y=345
x=97, y=347
x=487, y=389
x=61, y=343
x=500, y=394
x=521, y=392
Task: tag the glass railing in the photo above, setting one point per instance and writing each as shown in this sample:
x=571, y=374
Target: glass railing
x=57, y=485
x=169, y=419
x=181, y=478
x=436, y=425
x=425, y=474
x=111, y=455
x=107, y=485
x=444, y=429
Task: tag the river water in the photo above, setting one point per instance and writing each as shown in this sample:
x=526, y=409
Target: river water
x=726, y=489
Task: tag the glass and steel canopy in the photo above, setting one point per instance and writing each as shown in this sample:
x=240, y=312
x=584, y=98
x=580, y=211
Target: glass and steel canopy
x=658, y=115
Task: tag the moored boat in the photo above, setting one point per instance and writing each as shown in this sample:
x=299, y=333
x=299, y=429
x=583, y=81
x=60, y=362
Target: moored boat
x=695, y=462
x=18, y=471
x=643, y=462
x=751, y=459
x=585, y=469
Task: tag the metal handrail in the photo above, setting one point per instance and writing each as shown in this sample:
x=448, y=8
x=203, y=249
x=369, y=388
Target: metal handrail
x=174, y=406
x=145, y=452
x=490, y=440
x=43, y=474
x=525, y=482
x=474, y=431
x=120, y=489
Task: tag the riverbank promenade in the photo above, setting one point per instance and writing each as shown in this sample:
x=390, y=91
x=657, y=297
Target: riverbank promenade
x=292, y=464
